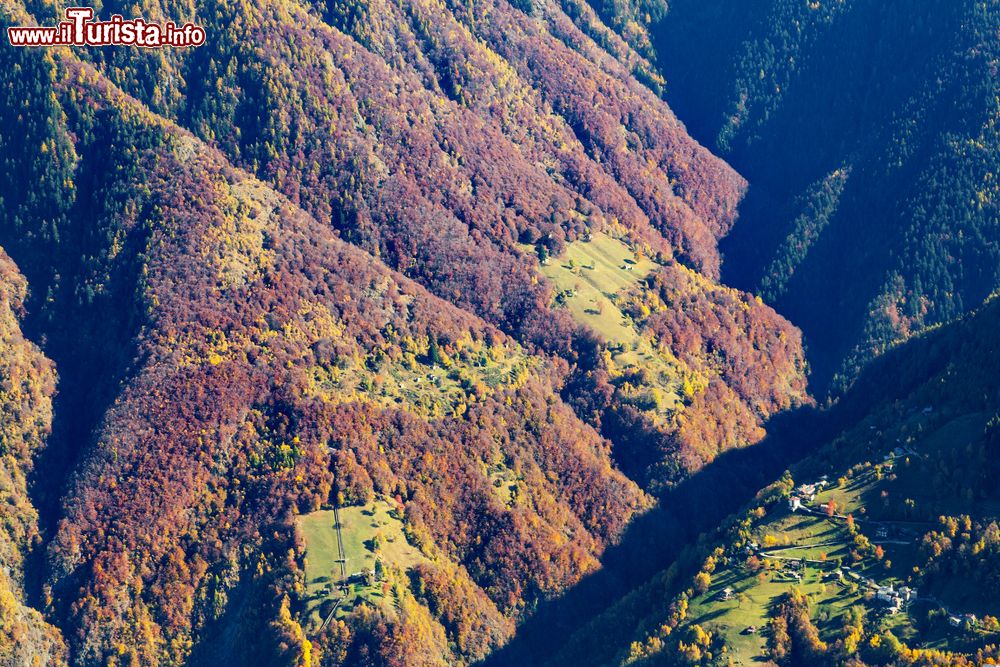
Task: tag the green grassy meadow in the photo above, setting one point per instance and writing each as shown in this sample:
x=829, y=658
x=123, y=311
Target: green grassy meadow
x=595, y=271
x=590, y=276
x=359, y=526
x=823, y=543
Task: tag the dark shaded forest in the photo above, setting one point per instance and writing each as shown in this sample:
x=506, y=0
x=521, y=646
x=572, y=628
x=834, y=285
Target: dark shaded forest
x=868, y=133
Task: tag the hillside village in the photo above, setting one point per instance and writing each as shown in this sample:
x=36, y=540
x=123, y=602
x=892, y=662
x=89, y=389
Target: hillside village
x=817, y=538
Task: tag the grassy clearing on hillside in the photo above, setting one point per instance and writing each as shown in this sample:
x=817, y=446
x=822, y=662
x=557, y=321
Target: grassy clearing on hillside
x=824, y=542
x=854, y=545
x=359, y=527
x=425, y=387
x=589, y=274
x=784, y=538
x=504, y=481
x=753, y=597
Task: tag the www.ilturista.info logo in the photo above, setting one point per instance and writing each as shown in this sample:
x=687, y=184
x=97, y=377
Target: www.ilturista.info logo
x=80, y=30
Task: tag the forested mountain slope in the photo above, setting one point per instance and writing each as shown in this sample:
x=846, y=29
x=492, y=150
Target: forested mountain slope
x=868, y=131
x=264, y=371
x=25, y=422
x=231, y=363
x=905, y=508
x=465, y=145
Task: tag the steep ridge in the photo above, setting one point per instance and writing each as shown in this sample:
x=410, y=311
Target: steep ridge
x=631, y=20
x=561, y=130
x=25, y=421
x=868, y=132
x=739, y=362
x=622, y=29
x=265, y=382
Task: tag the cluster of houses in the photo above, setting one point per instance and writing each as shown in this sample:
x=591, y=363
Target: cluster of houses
x=834, y=575
x=369, y=576
x=890, y=598
x=963, y=620
x=792, y=569
x=805, y=494
x=894, y=599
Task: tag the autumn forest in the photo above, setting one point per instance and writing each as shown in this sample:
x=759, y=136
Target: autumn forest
x=401, y=333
